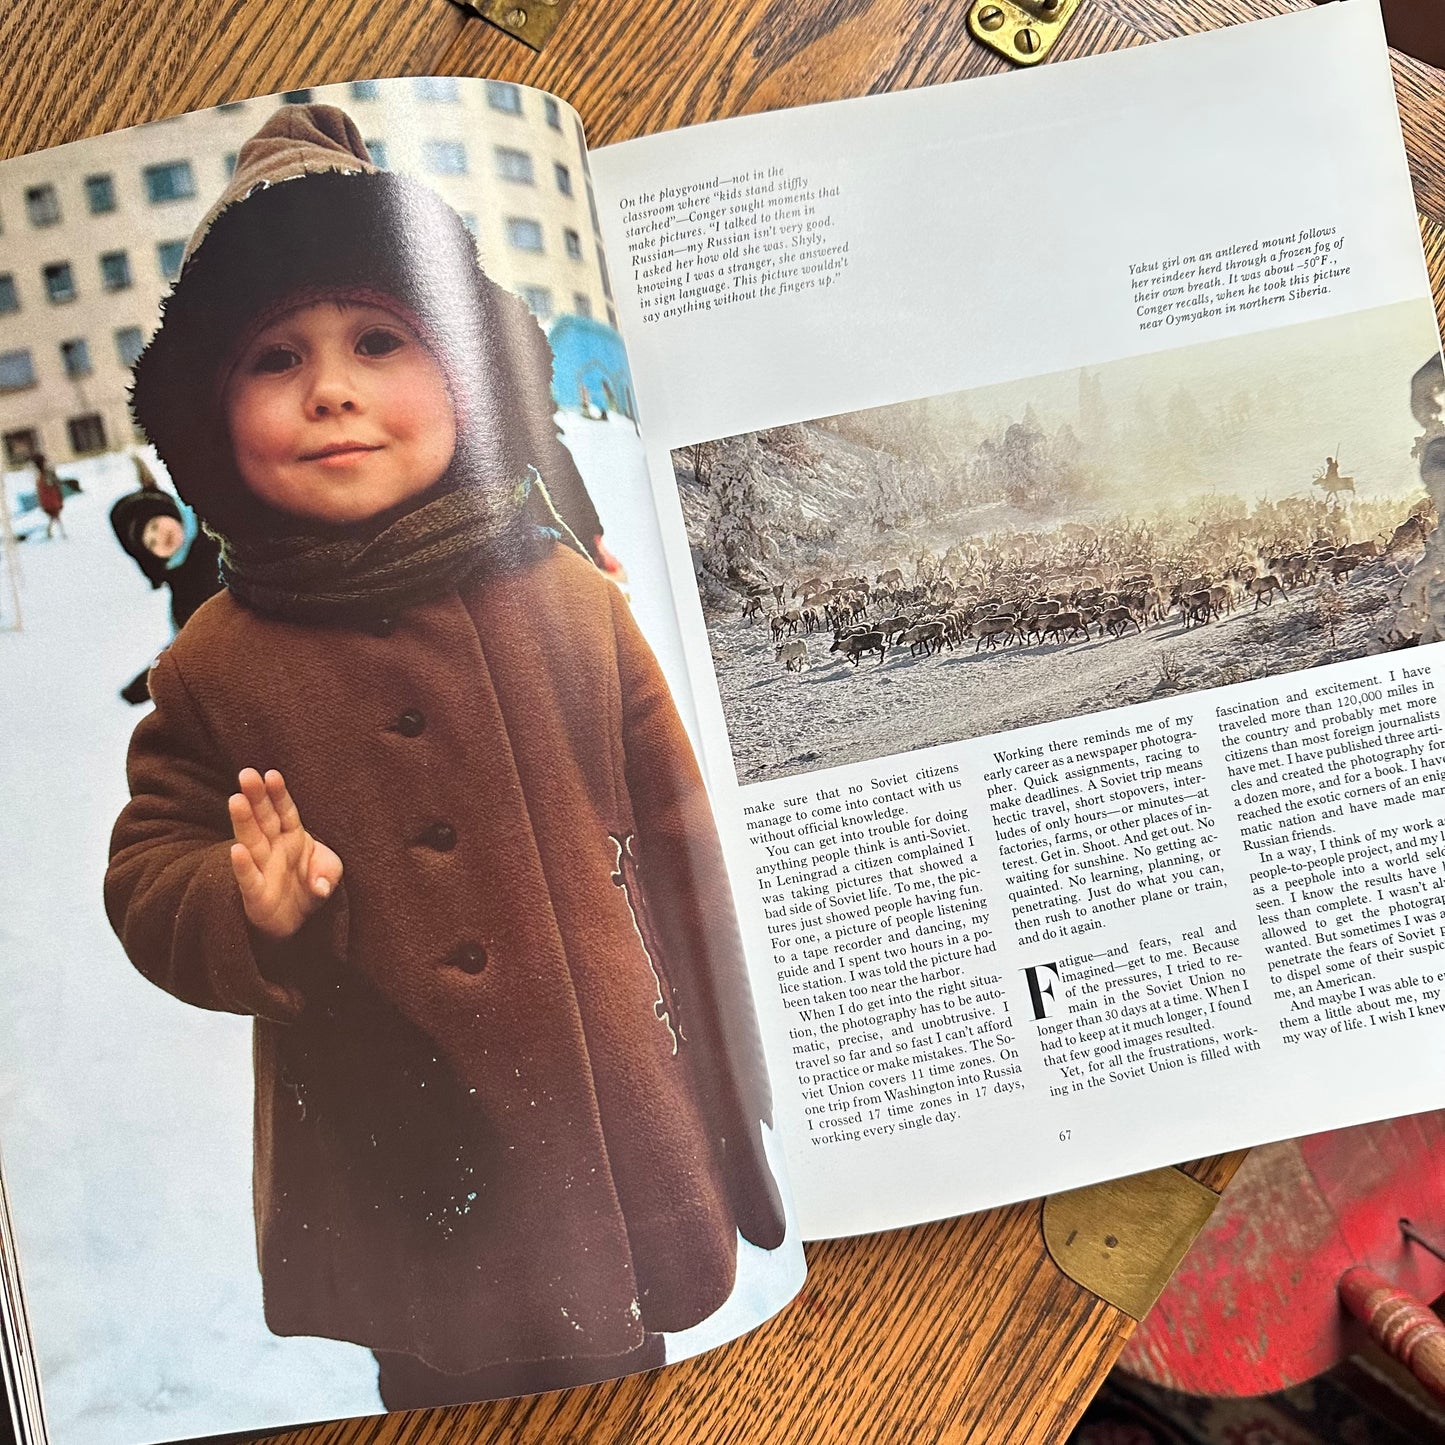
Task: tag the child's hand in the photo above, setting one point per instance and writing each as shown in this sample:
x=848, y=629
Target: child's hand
x=284, y=874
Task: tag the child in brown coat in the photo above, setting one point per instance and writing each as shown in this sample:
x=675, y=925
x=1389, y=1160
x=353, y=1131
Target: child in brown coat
x=415, y=795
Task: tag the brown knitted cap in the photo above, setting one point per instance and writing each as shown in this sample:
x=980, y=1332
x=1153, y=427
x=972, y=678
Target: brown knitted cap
x=298, y=140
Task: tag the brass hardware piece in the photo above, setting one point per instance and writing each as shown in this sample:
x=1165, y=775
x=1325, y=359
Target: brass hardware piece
x=1123, y=1239
x=530, y=21
x=1023, y=31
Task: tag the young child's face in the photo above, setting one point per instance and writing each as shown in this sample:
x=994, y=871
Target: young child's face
x=338, y=412
x=162, y=537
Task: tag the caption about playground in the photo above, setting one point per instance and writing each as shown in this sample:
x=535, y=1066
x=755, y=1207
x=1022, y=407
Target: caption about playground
x=716, y=242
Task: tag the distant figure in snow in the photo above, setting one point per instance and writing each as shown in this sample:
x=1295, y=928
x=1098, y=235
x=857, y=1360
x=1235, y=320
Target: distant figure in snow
x=48, y=493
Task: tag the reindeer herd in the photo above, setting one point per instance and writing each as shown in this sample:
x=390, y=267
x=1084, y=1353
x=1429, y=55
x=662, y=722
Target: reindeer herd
x=1073, y=584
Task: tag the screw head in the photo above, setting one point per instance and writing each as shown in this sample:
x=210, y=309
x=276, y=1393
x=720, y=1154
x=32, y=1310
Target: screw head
x=990, y=17
x=516, y=18
x=1027, y=41
x=1047, y=5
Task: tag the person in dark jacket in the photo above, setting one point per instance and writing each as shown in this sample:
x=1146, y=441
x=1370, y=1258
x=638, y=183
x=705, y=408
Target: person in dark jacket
x=416, y=796
x=164, y=539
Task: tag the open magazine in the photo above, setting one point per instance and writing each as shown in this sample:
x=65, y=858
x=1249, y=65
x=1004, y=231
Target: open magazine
x=944, y=715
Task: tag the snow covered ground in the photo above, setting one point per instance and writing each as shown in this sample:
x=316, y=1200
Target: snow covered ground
x=125, y=1115
x=782, y=723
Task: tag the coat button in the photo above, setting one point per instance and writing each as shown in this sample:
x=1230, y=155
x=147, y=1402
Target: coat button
x=470, y=958
x=411, y=724
x=441, y=836
x=382, y=627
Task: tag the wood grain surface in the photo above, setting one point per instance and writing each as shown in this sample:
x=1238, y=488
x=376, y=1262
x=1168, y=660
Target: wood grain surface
x=961, y=1331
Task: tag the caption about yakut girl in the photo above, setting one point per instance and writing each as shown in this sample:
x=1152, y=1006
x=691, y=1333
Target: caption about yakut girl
x=1184, y=288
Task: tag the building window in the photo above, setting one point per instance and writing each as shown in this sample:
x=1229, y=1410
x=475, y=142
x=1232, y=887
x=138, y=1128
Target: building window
x=296, y=97
x=574, y=244
x=115, y=271
x=170, y=254
x=376, y=149
x=17, y=370
x=612, y=318
x=444, y=157
x=87, y=434
x=42, y=205
x=59, y=281
x=504, y=97
x=539, y=301
x=129, y=343
x=435, y=87
x=231, y=105
x=554, y=112
x=229, y=162
x=524, y=235
x=365, y=90
x=469, y=220
x=76, y=357
x=100, y=194
x=514, y=165
x=606, y=281
x=173, y=181
x=582, y=305
x=9, y=296
x=564, y=177
x=21, y=445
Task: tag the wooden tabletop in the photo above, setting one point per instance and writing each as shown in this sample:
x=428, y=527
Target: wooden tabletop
x=963, y=1331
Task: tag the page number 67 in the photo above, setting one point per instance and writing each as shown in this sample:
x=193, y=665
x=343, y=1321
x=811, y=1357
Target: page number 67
x=1065, y=1135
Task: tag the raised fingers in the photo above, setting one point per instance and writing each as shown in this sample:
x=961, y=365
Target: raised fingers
x=281, y=800
x=247, y=830
x=254, y=788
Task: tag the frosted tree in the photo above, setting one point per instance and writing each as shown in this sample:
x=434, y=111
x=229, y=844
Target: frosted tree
x=739, y=546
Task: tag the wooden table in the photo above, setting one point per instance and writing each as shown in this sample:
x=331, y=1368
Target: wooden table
x=963, y=1331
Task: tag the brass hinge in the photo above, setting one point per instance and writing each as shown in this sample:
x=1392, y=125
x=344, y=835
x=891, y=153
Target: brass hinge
x=1123, y=1239
x=530, y=21
x=1023, y=31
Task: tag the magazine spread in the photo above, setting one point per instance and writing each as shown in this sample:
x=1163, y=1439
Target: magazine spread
x=1110, y=836
x=1028, y=571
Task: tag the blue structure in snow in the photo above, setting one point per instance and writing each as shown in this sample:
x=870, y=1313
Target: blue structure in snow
x=590, y=374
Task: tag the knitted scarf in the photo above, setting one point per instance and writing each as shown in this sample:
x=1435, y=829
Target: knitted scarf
x=351, y=575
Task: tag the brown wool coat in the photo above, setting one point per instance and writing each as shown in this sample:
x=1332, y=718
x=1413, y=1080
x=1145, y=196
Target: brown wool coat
x=490, y=1124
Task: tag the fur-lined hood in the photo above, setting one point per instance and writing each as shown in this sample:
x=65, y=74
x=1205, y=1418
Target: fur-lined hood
x=307, y=212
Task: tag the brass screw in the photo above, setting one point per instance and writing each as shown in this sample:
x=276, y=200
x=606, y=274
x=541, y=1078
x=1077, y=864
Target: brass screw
x=1048, y=4
x=516, y=18
x=990, y=17
x=1027, y=41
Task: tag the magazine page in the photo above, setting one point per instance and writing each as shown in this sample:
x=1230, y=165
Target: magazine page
x=374, y=1027
x=1045, y=455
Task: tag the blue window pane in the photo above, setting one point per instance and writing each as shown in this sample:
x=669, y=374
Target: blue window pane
x=174, y=181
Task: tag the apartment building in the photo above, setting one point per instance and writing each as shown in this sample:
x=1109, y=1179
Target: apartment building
x=92, y=234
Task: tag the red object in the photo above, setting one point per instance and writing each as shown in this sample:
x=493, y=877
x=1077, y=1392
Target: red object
x=49, y=495
x=1404, y=1327
x=1254, y=1308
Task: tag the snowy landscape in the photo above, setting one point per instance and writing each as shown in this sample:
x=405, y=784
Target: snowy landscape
x=125, y=1116
x=966, y=564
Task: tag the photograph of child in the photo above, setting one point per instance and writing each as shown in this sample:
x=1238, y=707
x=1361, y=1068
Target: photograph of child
x=415, y=795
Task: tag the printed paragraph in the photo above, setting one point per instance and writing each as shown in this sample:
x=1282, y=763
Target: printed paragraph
x=1348, y=913
x=1089, y=827
x=1182, y=289
x=1150, y=1007
x=721, y=241
x=885, y=954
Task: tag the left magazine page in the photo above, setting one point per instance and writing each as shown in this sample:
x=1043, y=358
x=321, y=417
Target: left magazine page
x=374, y=1031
